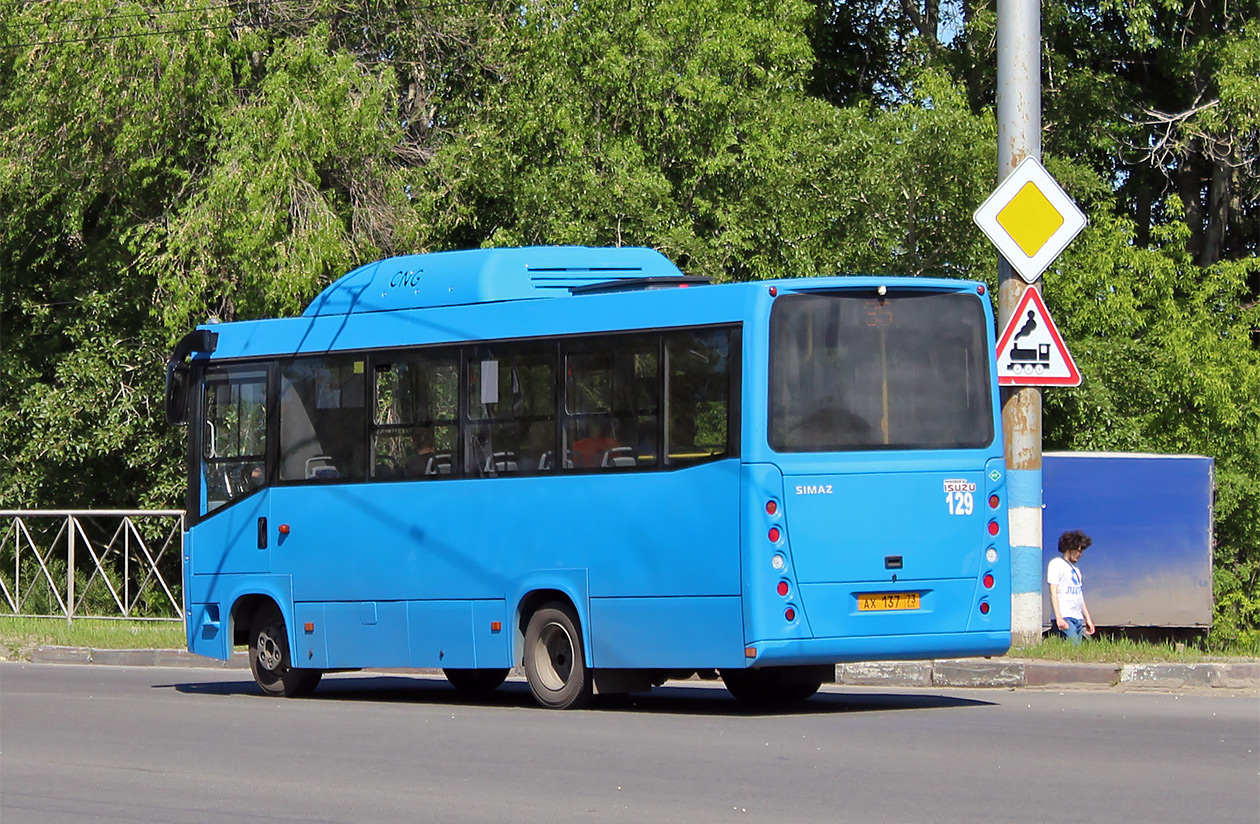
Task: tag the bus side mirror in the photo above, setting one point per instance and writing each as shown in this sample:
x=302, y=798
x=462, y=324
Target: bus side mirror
x=177, y=393
x=178, y=372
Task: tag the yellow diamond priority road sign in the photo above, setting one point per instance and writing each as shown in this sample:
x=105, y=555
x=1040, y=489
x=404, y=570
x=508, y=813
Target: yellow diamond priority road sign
x=1030, y=219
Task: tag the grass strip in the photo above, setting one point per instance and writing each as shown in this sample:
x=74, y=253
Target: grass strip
x=20, y=635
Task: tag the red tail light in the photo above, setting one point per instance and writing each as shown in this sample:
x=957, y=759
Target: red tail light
x=774, y=535
x=789, y=614
x=994, y=528
x=988, y=580
x=771, y=507
x=994, y=500
x=783, y=588
x=984, y=607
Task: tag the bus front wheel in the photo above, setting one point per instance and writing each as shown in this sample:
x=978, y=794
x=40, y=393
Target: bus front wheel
x=269, y=658
x=555, y=666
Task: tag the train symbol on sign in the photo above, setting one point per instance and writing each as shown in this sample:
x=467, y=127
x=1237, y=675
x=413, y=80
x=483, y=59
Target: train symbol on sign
x=1029, y=361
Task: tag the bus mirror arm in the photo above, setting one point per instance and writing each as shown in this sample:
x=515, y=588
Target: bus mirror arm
x=177, y=372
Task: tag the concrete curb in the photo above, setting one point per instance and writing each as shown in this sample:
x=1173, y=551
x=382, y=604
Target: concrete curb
x=1008, y=673
x=1015, y=673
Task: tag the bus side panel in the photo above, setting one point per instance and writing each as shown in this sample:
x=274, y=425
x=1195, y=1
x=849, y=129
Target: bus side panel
x=442, y=634
x=227, y=542
x=492, y=635
x=454, y=634
x=366, y=633
x=667, y=633
x=639, y=534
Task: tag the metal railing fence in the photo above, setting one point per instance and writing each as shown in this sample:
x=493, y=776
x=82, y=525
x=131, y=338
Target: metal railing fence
x=102, y=563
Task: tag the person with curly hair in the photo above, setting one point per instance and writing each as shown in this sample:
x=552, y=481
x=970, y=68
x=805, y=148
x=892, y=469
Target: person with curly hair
x=1067, y=595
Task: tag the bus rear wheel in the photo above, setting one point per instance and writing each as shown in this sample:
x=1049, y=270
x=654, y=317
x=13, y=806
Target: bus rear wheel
x=475, y=682
x=269, y=658
x=766, y=687
x=555, y=665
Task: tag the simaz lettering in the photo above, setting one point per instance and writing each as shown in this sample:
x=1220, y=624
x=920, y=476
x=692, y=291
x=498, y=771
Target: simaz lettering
x=809, y=489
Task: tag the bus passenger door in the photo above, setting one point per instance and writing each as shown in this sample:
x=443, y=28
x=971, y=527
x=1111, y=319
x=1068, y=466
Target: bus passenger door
x=234, y=502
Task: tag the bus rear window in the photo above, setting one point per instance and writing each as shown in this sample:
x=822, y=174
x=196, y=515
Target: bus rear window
x=854, y=370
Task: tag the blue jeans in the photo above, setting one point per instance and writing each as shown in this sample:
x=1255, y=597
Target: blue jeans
x=1075, y=631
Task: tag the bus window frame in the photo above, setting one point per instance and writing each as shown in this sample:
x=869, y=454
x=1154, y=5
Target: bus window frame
x=560, y=346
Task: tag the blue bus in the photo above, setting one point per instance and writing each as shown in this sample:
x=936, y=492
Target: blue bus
x=586, y=464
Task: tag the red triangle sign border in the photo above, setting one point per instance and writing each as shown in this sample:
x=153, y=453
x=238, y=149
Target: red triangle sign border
x=1073, y=378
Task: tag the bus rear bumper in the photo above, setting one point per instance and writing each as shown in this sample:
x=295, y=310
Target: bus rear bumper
x=808, y=651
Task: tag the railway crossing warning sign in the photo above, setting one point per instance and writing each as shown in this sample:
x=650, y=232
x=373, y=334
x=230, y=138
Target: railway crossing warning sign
x=1030, y=219
x=1030, y=351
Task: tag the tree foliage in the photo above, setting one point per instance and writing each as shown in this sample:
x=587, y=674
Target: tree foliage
x=163, y=162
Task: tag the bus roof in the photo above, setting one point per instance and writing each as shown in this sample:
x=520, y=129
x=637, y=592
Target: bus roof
x=486, y=276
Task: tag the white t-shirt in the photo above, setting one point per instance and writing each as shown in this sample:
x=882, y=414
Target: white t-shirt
x=1067, y=582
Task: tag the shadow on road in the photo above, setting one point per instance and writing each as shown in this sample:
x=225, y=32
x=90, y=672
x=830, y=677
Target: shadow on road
x=674, y=698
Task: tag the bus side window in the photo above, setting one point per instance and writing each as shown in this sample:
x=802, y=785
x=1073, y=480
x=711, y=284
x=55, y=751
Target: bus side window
x=699, y=375
x=612, y=403
x=415, y=419
x=511, y=426
x=322, y=419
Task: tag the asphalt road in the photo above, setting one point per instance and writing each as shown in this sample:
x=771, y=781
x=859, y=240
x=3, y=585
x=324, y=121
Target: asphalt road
x=103, y=744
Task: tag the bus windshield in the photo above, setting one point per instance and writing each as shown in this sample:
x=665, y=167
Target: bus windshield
x=857, y=370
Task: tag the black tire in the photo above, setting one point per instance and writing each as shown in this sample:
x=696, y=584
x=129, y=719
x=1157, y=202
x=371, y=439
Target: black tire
x=269, y=658
x=769, y=687
x=475, y=682
x=555, y=665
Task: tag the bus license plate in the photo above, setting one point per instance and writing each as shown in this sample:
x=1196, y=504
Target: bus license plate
x=876, y=601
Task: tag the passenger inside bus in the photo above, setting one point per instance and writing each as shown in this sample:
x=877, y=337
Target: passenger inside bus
x=420, y=459
x=589, y=451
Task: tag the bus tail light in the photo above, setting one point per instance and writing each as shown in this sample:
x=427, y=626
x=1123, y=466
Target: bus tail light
x=994, y=528
x=783, y=588
x=774, y=535
x=994, y=501
x=789, y=615
x=984, y=607
x=772, y=507
x=988, y=580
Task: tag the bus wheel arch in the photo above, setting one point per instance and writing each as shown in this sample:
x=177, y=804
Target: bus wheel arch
x=554, y=654
x=534, y=600
x=270, y=660
x=242, y=616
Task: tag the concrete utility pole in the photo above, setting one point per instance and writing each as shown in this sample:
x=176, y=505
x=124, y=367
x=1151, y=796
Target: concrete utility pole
x=1019, y=136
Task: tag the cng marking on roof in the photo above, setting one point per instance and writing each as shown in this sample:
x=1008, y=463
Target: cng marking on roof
x=1030, y=219
x=1031, y=352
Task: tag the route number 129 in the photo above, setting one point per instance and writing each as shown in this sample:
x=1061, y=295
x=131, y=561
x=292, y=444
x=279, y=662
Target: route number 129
x=960, y=503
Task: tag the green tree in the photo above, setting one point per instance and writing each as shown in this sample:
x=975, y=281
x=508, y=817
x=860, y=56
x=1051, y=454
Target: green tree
x=96, y=130
x=159, y=164
x=1169, y=367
